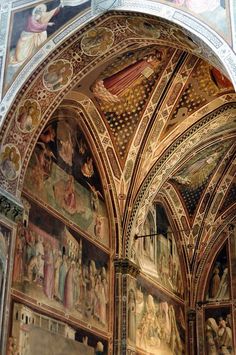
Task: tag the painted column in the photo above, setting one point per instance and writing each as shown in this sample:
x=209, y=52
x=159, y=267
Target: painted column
x=126, y=273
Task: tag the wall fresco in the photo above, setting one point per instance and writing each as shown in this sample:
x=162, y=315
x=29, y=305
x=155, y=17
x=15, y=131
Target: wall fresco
x=219, y=283
x=5, y=235
x=157, y=255
x=193, y=177
x=62, y=173
x=34, y=333
x=57, y=267
x=33, y=26
x=10, y=161
x=218, y=331
x=160, y=322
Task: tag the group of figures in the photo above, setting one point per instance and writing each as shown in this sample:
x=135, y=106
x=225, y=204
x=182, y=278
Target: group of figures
x=219, y=286
x=58, y=274
x=219, y=339
x=219, y=278
x=159, y=329
x=62, y=172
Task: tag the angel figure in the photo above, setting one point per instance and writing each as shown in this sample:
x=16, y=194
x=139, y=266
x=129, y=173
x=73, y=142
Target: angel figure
x=94, y=198
x=87, y=168
x=65, y=142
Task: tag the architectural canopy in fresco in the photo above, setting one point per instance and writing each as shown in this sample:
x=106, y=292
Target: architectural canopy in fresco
x=117, y=178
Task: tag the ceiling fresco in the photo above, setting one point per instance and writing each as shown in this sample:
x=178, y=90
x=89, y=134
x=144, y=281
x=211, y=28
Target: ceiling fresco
x=161, y=118
x=230, y=198
x=191, y=180
x=124, y=88
x=205, y=84
x=213, y=13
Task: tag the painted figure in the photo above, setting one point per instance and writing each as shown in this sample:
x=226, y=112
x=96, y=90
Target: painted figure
x=35, y=33
x=211, y=334
x=218, y=336
x=87, y=168
x=132, y=317
x=57, y=265
x=112, y=88
x=215, y=282
x=49, y=272
x=223, y=289
x=8, y=165
x=62, y=277
x=25, y=120
x=70, y=283
x=198, y=6
x=18, y=263
x=70, y=203
x=57, y=75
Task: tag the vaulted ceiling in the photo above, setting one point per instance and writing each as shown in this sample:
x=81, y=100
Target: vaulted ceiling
x=163, y=112
x=155, y=98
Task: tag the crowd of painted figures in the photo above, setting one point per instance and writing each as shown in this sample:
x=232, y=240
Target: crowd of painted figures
x=219, y=336
x=157, y=326
x=61, y=274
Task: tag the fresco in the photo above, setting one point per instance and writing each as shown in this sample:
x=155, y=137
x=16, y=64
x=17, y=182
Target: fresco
x=34, y=333
x=32, y=27
x=230, y=197
x=57, y=267
x=97, y=41
x=28, y=116
x=233, y=262
x=155, y=29
x=212, y=12
x=205, y=84
x=123, y=89
x=218, y=288
x=193, y=177
x=158, y=255
x=10, y=161
x=62, y=173
x=57, y=75
x=160, y=323
x=218, y=331
x=5, y=234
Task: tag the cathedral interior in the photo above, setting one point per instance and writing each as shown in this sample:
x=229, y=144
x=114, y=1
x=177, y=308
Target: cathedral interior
x=117, y=177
